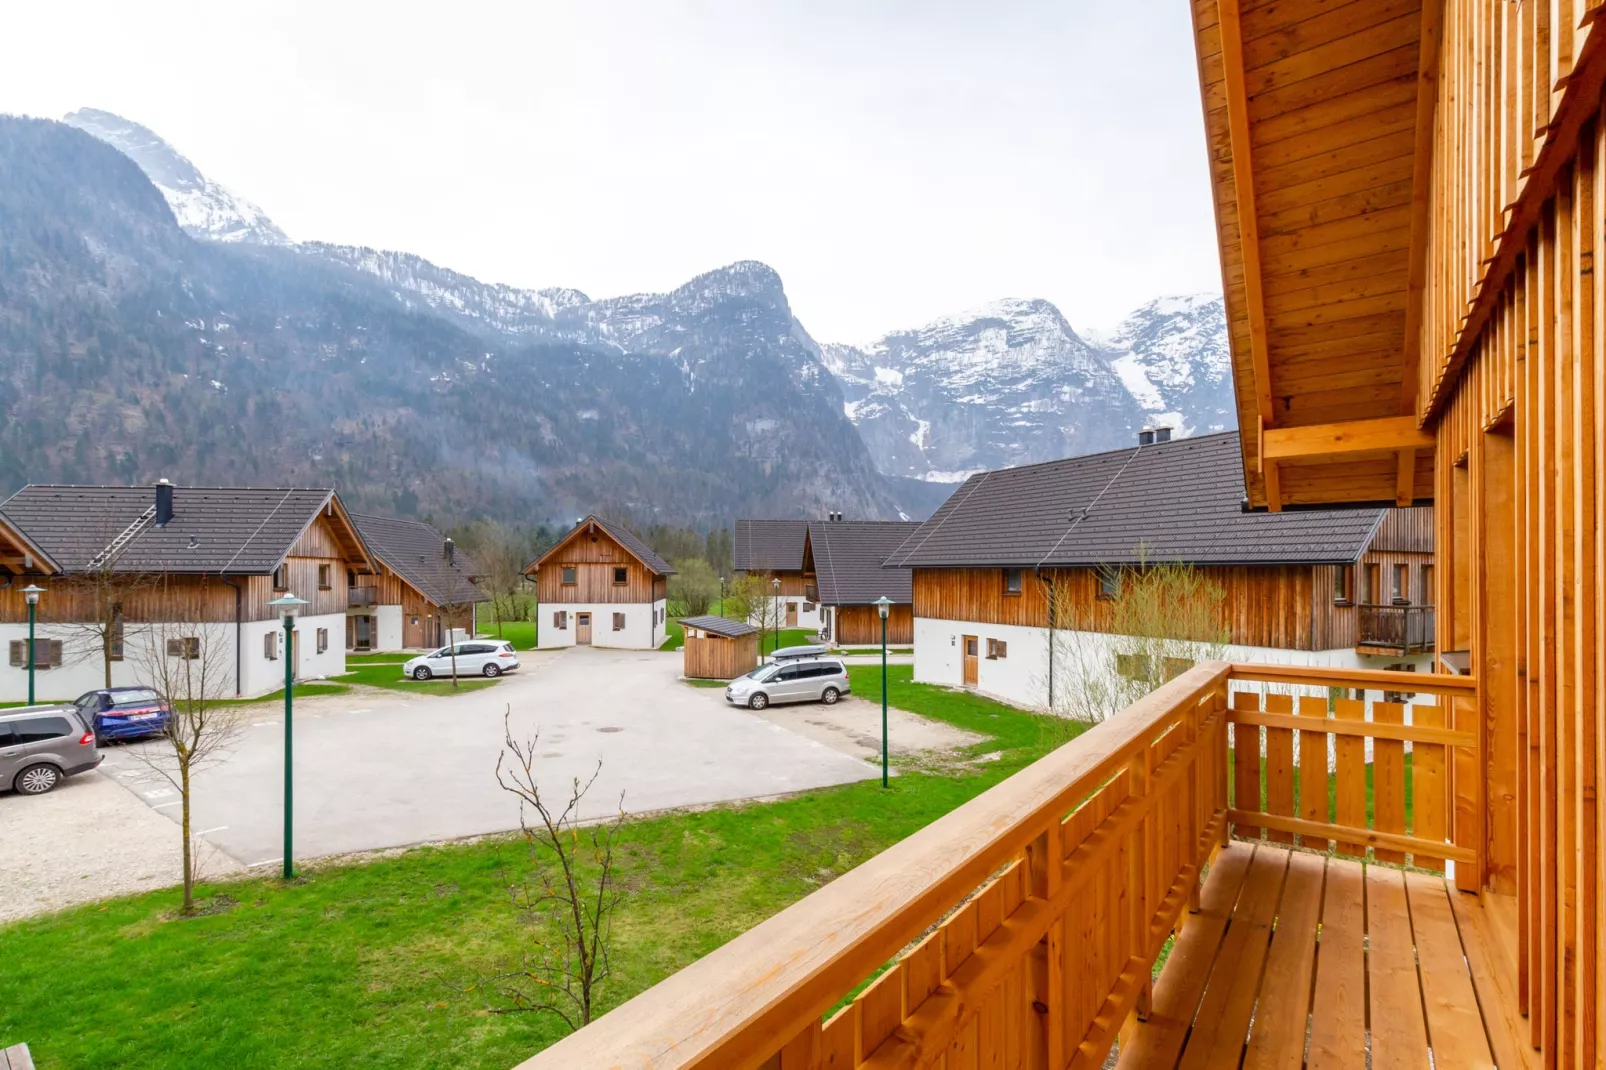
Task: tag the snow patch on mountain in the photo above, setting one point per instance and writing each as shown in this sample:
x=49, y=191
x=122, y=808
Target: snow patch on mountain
x=202, y=207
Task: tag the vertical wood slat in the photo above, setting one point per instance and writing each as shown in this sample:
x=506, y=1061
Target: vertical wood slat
x=1350, y=774
x=1388, y=779
x=1313, y=778
x=1246, y=764
x=1279, y=765
x=1428, y=803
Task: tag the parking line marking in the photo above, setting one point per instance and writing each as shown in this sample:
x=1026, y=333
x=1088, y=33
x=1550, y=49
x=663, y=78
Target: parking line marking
x=163, y=806
x=263, y=724
x=266, y=862
x=219, y=828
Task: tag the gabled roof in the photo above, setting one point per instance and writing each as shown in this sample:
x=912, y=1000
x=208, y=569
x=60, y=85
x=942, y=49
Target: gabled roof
x=634, y=546
x=768, y=545
x=19, y=553
x=848, y=559
x=225, y=530
x=417, y=553
x=730, y=629
x=1175, y=501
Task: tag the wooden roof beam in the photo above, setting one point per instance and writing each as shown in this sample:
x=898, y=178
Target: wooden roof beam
x=1243, y=182
x=1389, y=434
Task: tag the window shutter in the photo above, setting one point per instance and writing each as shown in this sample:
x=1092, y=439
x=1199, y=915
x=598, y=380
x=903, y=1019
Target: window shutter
x=53, y=652
x=17, y=648
x=175, y=648
x=618, y=622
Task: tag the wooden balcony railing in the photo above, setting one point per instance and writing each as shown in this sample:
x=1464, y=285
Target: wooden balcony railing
x=1022, y=928
x=361, y=596
x=1395, y=629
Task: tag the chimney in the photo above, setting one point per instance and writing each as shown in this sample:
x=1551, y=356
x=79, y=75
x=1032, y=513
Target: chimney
x=1162, y=434
x=164, y=503
x=1146, y=437
x=451, y=552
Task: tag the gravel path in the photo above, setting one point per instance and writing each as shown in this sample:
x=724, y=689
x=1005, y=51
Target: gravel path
x=89, y=839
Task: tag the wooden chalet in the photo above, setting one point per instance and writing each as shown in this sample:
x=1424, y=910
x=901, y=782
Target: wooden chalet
x=423, y=588
x=770, y=550
x=849, y=558
x=1011, y=547
x=602, y=586
x=717, y=648
x=132, y=573
x=1408, y=199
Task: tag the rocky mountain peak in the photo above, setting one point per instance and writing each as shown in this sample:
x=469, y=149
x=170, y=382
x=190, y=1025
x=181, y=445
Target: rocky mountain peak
x=202, y=207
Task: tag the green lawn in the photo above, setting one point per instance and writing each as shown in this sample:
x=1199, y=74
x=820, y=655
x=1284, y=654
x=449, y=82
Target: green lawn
x=377, y=965
x=521, y=633
x=387, y=674
x=877, y=650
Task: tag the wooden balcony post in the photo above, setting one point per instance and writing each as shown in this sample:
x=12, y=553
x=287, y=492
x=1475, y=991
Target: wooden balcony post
x=1144, y=862
x=1193, y=827
x=1045, y=863
x=1219, y=712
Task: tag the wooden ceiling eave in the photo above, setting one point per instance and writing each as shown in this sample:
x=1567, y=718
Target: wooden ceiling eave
x=1232, y=59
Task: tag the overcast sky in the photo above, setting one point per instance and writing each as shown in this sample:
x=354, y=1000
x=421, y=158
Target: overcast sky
x=894, y=162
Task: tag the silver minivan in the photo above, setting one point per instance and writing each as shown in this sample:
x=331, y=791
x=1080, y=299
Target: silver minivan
x=803, y=680
x=40, y=746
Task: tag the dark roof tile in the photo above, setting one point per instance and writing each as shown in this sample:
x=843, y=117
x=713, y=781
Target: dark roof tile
x=848, y=559
x=417, y=553
x=768, y=545
x=730, y=629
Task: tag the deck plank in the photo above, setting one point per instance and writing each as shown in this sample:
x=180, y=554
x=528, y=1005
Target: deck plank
x=1282, y=1014
x=1455, y=1028
x=1508, y=1030
x=1338, y=1008
x=1398, y=1025
x=1158, y=1041
x=1222, y=1024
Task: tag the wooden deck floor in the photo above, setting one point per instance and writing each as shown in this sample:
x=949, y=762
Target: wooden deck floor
x=1297, y=960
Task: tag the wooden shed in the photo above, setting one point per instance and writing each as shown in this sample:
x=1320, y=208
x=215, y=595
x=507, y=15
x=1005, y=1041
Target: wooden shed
x=718, y=648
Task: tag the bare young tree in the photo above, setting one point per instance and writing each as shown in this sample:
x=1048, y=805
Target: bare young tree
x=568, y=897
x=1162, y=619
x=100, y=592
x=191, y=667
x=500, y=561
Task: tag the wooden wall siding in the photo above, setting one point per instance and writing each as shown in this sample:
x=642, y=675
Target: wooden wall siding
x=792, y=583
x=861, y=625
x=594, y=583
x=1405, y=531
x=144, y=599
x=1522, y=543
x=718, y=658
x=1271, y=606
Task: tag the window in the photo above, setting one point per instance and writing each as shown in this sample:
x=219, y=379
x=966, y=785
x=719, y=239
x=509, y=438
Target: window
x=1373, y=592
x=323, y=640
x=618, y=622
x=1175, y=667
x=789, y=672
x=270, y=646
x=324, y=582
x=1132, y=666
x=1342, y=577
x=621, y=576
x=47, y=653
x=560, y=620
x=569, y=579
x=281, y=578
x=811, y=593
x=996, y=649
x=40, y=729
x=1012, y=581
x=114, y=643
x=1109, y=584
x=1401, y=589
x=188, y=648
x=808, y=607
x=1427, y=596
x=1400, y=696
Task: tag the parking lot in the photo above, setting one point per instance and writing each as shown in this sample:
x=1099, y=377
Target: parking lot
x=397, y=771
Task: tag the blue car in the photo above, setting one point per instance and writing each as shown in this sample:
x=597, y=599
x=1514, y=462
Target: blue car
x=124, y=713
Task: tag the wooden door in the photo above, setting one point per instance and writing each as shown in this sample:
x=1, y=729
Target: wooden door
x=972, y=661
x=351, y=633
x=791, y=614
x=582, y=629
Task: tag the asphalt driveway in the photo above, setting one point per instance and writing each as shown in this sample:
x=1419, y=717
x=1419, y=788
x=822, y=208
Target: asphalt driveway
x=403, y=771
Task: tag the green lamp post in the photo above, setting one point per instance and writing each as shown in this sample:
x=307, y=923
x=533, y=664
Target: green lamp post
x=31, y=593
x=882, y=604
x=287, y=607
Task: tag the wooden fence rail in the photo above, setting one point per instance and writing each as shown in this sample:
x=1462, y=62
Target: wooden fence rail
x=1021, y=929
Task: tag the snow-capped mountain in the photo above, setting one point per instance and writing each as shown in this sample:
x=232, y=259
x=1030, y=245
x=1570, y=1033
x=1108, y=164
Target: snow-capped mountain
x=1012, y=383
x=1172, y=356
x=201, y=206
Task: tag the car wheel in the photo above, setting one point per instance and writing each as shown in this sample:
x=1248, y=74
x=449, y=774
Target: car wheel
x=758, y=701
x=492, y=670
x=422, y=673
x=830, y=695
x=37, y=779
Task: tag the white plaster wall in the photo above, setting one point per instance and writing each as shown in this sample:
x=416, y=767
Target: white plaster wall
x=639, y=633
x=809, y=619
x=387, y=627
x=1022, y=677
x=262, y=674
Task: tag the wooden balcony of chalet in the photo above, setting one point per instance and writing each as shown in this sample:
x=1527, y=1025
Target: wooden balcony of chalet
x=1319, y=912
x=1396, y=629
x=362, y=596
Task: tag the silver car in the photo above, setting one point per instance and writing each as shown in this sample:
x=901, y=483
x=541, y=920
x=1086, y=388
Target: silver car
x=809, y=680
x=480, y=657
x=40, y=746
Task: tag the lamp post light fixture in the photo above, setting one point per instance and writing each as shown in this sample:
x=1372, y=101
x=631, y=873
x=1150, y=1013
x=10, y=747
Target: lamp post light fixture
x=287, y=607
x=31, y=593
x=776, y=605
x=883, y=604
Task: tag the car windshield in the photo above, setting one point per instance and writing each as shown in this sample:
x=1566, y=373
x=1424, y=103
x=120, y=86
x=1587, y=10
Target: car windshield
x=761, y=673
x=134, y=698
